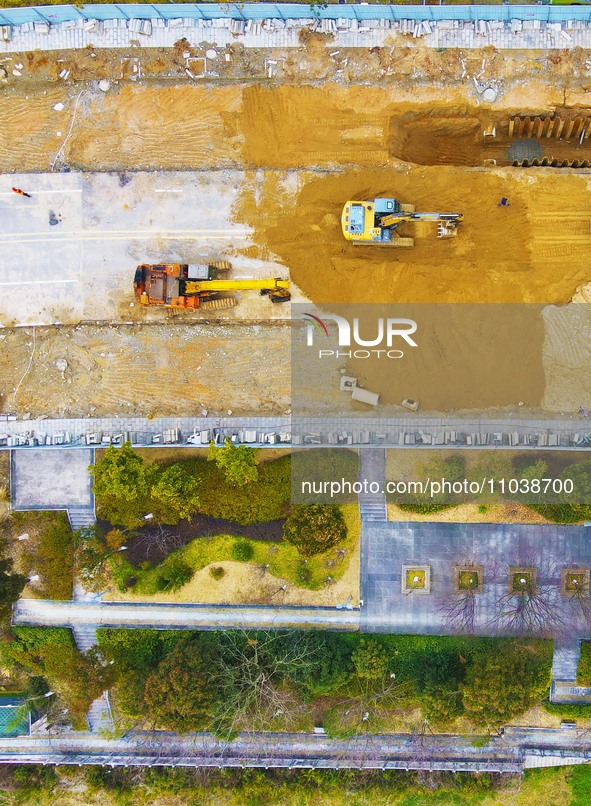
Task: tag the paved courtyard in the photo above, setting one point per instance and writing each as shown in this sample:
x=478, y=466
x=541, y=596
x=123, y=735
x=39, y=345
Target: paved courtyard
x=50, y=479
x=387, y=546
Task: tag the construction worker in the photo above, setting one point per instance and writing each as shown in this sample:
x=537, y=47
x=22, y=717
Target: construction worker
x=21, y=192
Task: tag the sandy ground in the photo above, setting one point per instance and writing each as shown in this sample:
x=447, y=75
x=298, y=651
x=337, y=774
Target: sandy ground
x=468, y=513
x=329, y=128
x=537, y=250
x=157, y=370
x=244, y=584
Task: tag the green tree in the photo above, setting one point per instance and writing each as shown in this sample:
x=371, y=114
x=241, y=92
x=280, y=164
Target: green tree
x=370, y=659
x=77, y=677
x=503, y=684
x=122, y=484
x=11, y=586
x=237, y=462
x=174, y=495
x=179, y=695
x=314, y=528
x=174, y=574
x=536, y=470
x=92, y=552
x=440, y=676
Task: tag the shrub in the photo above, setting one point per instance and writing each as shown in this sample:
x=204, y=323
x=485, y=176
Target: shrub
x=242, y=551
x=567, y=711
x=216, y=572
x=315, y=528
x=174, y=574
x=237, y=463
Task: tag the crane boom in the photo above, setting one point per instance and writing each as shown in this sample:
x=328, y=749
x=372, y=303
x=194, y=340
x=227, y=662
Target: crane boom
x=219, y=286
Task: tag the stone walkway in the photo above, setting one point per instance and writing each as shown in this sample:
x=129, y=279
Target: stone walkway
x=382, y=432
x=160, y=616
x=516, y=34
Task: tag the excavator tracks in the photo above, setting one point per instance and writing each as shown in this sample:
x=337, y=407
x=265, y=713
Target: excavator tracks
x=218, y=304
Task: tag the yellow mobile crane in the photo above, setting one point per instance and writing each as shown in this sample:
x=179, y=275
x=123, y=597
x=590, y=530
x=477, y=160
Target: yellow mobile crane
x=186, y=285
x=374, y=222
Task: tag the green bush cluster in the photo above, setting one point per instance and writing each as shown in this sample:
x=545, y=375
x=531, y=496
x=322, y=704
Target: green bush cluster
x=126, y=489
x=567, y=711
x=50, y=553
x=242, y=551
x=146, y=786
x=496, y=466
x=487, y=680
x=315, y=528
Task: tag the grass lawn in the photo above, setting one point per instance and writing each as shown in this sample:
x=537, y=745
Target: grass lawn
x=261, y=579
x=415, y=579
x=468, y=580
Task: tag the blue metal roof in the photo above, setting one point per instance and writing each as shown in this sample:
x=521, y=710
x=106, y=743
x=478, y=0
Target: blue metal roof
x=12, y=722
x=261, y=11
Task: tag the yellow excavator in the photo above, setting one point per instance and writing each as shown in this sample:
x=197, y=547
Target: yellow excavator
x=191, y=286
x=374, y=222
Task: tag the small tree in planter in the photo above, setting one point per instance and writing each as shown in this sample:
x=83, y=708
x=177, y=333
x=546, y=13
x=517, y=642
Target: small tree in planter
x=416, y=579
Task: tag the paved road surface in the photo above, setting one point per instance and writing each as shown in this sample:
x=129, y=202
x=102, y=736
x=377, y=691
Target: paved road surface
x=41, y=612
x=103, y=227
x=366, y=431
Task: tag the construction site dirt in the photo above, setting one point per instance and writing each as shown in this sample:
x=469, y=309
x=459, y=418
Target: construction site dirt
x=150, y=370
x=406, y=122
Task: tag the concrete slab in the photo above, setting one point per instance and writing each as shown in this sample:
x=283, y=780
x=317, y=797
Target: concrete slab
x=56, y=479
x=82, y=268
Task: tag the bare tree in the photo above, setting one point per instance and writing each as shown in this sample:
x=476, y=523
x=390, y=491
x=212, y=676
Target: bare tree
x=253, y=679
x=459, y=612
x=530, y=611
x=531, y=604
x=458, y=603
x=158, y=540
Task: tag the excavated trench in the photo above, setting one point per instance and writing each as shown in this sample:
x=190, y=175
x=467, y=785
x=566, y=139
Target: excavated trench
x=560, y=139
